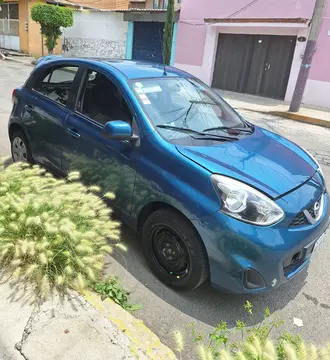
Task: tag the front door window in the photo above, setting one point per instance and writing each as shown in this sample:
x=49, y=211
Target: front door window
x=101, y=100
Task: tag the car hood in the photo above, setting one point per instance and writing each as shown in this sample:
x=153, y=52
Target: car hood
x=263, y=160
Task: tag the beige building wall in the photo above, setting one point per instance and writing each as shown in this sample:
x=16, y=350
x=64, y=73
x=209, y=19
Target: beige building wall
x=23, y=17
x=30, y=37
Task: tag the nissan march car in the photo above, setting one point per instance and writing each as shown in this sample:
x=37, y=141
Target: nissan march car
x=212, y=195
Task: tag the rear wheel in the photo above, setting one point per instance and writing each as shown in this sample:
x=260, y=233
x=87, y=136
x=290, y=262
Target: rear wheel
x=20, y=149
x=174, y=250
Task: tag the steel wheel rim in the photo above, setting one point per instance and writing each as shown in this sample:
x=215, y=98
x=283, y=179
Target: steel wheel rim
x=170, y=252
x=19, y=150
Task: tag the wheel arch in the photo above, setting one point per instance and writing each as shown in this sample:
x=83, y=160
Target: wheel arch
x=13, y=127
x=150, y=208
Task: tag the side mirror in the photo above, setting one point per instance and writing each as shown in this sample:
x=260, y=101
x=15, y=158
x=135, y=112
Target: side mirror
x=118, y=129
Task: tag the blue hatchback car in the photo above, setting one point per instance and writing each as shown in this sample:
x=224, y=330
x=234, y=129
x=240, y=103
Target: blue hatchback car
x=212, y=195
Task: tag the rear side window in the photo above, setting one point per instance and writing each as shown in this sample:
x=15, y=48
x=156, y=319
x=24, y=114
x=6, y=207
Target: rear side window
x=56, y=83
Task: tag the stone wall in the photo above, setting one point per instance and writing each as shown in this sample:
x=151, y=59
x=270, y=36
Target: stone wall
x=87, y=47
x=96, y=34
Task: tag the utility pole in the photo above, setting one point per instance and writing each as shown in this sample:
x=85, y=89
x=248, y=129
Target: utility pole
x=308, y=56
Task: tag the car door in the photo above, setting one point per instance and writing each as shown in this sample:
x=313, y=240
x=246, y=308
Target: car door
x=46, y=107
x=108, y=163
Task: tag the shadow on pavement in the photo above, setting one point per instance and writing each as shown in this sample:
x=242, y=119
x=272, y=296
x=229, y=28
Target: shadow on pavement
x=204, y=304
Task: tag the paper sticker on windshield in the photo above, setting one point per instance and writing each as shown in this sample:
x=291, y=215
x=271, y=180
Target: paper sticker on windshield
x=143, y=97
x=138, y=85
x=152, y=89
x=139, y=91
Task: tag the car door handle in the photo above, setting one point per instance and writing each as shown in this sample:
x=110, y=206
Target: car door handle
x=73, y=132
x=28, y=108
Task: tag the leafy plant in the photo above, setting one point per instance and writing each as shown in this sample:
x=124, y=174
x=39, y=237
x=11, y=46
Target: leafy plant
x=255, y=343
x=53, y=233
x=168, y=33
x=51, y=18
x=111, y=288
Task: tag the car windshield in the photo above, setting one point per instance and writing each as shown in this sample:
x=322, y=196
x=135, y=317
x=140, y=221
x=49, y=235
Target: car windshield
x=185, y=104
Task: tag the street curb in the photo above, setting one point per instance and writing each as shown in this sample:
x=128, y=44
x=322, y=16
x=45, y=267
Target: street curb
x=295, y=117
x=16, y=60
x=141, y=337
x=301, y=118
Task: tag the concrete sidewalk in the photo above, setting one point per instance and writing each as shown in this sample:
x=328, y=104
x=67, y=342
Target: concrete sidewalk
x=308, y=114
x=72, y=329
x=16, y=57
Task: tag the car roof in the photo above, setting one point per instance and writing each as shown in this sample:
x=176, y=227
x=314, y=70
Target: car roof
x=129, y=68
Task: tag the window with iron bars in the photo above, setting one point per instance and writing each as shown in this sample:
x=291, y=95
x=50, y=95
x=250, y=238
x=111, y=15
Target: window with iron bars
x=9, y=11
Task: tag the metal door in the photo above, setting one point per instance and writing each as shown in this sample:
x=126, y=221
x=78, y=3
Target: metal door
x=257, y=65
x=277, y=66
x=232, y=62
x=254, y=64
x=148, y=41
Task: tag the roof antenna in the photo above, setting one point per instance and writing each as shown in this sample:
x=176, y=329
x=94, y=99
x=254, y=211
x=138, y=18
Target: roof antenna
x=161, y=49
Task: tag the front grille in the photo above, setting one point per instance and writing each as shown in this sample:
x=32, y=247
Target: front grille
x=299, y=220
x=312, y=211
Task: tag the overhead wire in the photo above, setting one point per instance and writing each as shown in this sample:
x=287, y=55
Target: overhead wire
x=242, y=9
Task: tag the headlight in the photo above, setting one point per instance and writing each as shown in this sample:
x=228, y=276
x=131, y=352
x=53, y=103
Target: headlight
x=246, y=203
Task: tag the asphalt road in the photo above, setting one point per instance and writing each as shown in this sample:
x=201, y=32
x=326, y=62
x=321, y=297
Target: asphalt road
x=306, y=297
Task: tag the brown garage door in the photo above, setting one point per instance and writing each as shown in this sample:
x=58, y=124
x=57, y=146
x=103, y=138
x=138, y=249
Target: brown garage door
x=254, y=64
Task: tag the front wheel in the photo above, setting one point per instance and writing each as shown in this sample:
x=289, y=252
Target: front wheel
x=174, y=250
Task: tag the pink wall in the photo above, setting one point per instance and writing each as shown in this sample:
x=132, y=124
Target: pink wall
x=200, y=9
x=320, y=69
x=190, y=44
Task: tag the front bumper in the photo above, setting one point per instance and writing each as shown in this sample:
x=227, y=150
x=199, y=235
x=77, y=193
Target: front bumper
x=234, y=246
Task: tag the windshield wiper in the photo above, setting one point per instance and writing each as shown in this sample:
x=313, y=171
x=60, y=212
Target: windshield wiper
x=194, y=102
x=206, y=135
x=226, y=128
x=203, y=102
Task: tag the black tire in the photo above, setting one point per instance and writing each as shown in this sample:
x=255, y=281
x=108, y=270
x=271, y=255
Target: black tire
x=167, y=225
x=19, y=134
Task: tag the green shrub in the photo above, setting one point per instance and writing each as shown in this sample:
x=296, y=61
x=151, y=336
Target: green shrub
x=111, y=288
x=255, y=342
x=53, y=233
x=51, y=18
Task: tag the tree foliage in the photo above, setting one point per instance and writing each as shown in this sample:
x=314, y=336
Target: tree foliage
x=168, y=33
x=51, y=18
